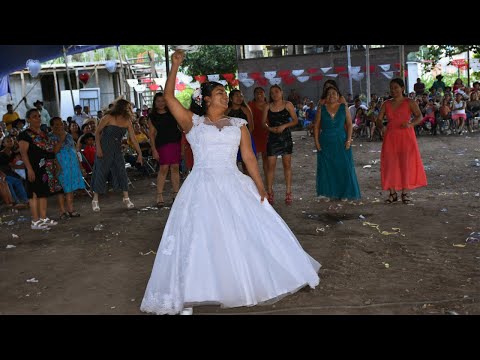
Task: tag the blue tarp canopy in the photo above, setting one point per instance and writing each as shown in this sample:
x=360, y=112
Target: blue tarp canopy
x=14, y=57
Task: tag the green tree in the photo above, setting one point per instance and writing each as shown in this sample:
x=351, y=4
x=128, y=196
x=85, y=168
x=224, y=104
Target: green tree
x=132, y=51
x=211, y=59
x=433, y=53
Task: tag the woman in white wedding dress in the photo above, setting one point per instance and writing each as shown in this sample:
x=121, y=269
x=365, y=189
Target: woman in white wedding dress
x=223, y=243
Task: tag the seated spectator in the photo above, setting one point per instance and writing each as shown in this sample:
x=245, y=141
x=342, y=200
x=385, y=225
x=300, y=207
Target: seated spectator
x=89, y=151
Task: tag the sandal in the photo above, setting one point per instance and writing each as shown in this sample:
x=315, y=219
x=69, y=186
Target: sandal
x=405, y=198
x=129, y=204
x=73, y=214
x=64, y=216
x=288, y=198
x=95, y=206
x=160, y=203
x=270, y=197
x=392, y=198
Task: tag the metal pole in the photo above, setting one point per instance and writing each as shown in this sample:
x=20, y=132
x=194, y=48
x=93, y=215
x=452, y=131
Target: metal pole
x=167, y=64
x=367, y=71
x=468, y=68
x=402, y=63
x=68, y=77
x=349, y=66
x=122, y=73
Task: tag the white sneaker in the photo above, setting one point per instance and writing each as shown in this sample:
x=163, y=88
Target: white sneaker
x=39, y=225
x=187, y=311
x=49, y=222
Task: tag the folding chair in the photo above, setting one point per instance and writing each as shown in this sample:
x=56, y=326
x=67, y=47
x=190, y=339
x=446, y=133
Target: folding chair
x=83, y=160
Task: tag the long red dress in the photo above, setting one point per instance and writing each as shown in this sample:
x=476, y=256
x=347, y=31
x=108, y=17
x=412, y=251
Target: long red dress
x=401, y=164
x=260, y=134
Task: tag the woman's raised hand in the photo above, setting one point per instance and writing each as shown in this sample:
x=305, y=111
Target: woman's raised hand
x=178, y=56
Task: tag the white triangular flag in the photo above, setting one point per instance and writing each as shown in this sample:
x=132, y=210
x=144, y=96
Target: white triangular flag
x=270, y=74
x=326, y=69
x=213, y=77
x=385, y=67
x=303, y=78
x=297, y=72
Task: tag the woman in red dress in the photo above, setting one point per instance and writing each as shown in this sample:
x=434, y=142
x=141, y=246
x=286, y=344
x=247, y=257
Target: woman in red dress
x=260, y=134
x=401, y=164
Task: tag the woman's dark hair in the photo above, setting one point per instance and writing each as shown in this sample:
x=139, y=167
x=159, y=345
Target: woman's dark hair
x=270, y=92
x=86, y=137
x=29, y=113
x=53, y=119
x=206, y=90
x=230, y=98
x=153, y=109
x=325, y=91
x=400, y=83
x=121, y=107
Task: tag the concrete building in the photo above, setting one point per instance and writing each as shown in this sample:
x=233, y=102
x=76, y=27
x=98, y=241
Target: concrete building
x=262, y=58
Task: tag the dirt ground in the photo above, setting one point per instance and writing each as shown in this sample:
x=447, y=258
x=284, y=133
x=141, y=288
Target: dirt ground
x=421, y=264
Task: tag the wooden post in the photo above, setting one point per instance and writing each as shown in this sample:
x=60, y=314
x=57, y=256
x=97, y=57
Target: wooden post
x=22, y=76
x=68, y=78
x=57, y=97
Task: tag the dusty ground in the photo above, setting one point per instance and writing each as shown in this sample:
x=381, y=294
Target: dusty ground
x=416, y=270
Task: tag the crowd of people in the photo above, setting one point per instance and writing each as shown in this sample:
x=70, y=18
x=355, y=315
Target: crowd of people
x=217, y=143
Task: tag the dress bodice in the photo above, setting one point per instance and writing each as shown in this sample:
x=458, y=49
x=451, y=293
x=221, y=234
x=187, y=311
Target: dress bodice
x=215, y=144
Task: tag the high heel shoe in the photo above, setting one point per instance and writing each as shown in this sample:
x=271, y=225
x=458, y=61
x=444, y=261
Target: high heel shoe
x=392, y=198
x=288, y=198
x=405, y=198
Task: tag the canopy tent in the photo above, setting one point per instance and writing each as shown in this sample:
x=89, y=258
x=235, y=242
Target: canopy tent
x=14, y=57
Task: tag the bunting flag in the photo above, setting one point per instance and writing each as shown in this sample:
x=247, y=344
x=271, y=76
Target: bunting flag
x=234, y=82
x=388, y=74
x=275, y=81
x=317, y=77
x=132, y=82
x=201, y=78
x=344, y=75
x=213, y=77
x=326, y=69
x=332, y=75
x=269, y=74
x=298, y=72
x=229, y=77
x=372, y=68
x=223, y=82
x=397, y=65
x=354, y=69
x=312, y=70
x=255, y=75
x=289, y=80
x=284, y=73
x=153, y=87
x=385, y=67
x=303, y=78
x=475, y=64
x=358, y=76
x=262, y=81
x=247, y=82
x=340, y=69
x=140, y=88
x=242, y=75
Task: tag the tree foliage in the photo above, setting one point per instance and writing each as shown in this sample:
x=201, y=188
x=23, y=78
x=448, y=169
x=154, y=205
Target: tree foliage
x=211, y=59
x=434, y=53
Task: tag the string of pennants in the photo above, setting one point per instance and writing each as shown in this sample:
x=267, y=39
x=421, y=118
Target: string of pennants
x=302, y=75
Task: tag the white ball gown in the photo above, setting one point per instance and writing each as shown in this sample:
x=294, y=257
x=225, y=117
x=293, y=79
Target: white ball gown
x=220, y=244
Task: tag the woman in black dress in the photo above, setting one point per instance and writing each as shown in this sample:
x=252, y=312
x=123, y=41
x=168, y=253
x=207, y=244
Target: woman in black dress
x=278, y=117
